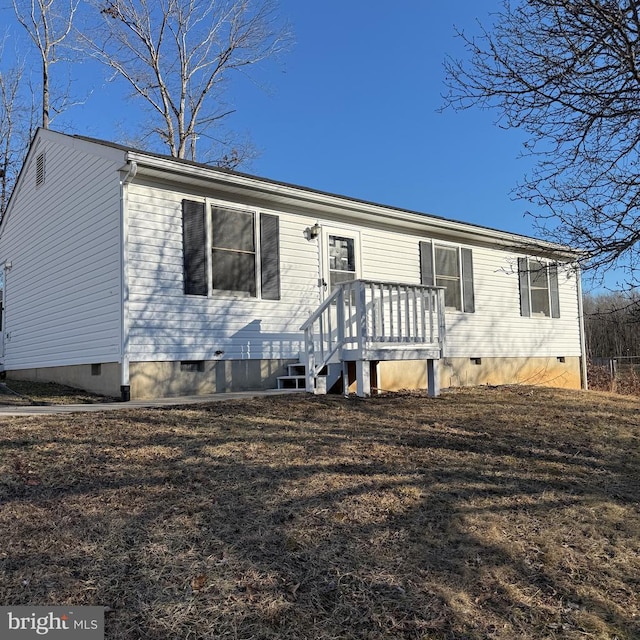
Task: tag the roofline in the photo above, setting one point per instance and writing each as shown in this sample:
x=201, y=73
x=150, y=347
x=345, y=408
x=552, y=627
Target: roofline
x=388, y=212
x=270, y=187
x=18, y=180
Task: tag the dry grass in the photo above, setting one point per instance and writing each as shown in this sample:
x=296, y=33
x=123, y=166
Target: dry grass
x=508, y=513
x=626, y=382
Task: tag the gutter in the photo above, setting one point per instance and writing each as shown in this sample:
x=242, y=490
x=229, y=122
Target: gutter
x=127, y=174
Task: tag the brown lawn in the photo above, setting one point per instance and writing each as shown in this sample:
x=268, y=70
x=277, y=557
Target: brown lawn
x=509, y=513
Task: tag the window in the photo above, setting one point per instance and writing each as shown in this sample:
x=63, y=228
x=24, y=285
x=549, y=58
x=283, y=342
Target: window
x=447, y=274
x=450, y=267
x=342, y=260
x=234, y=251
x=538, y=288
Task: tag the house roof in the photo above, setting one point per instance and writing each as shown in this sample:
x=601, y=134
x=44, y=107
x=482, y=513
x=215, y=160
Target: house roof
x=322, y=203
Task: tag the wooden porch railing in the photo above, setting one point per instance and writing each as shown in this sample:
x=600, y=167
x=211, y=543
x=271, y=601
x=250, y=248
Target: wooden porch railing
x=365, y=320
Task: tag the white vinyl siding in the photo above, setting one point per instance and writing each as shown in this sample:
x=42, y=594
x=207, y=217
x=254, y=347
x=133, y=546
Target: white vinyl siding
x=63, y=240
x=496, y=329
x=167, y=325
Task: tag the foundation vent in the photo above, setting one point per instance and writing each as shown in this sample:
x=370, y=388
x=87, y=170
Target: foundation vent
x=192, y=366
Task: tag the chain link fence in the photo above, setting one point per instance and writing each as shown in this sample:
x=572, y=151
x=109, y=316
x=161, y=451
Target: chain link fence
x=618, y=375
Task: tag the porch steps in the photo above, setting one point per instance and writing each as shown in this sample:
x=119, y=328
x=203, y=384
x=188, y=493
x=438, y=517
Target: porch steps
x=296, y=378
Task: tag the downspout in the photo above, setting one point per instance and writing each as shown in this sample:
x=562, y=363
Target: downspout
x=127, y=173
x=583, y=344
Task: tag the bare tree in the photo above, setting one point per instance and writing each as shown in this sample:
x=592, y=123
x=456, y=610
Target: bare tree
x=567, y=72
x=17, y=123
x=612, y=324
x=178, y=56
x=48, y=23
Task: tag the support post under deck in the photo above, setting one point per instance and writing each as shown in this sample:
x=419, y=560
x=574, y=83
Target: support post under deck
x=363, y=378
x=433, y=378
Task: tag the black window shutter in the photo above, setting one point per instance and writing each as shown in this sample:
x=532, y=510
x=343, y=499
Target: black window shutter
x=523, y=273
x=270, y=256
x=194, y=239
x=468, y=298
x=426, y=264
x=553, y=291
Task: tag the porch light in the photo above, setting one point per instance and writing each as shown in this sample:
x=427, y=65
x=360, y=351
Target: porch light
x=313, y=232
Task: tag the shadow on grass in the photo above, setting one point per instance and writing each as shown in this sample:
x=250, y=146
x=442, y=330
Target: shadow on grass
x=477, y=515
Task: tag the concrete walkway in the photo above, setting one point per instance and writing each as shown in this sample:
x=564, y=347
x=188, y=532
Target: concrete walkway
x=38, y=410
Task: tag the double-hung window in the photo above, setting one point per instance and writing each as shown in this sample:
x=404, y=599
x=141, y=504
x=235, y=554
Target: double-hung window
x=233, y=251
x=451, y=267
x=230, y=250
x=538, y=288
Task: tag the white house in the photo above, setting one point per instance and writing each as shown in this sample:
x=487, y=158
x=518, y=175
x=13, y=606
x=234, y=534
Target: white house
x=134, y=274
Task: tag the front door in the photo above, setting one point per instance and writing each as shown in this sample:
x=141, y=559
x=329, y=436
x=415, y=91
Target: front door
x=340, y=263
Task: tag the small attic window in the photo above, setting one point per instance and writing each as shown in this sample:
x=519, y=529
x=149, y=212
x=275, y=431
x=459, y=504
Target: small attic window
x=40, y=169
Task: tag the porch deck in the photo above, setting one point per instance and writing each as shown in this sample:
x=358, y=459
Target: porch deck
x=366, y=321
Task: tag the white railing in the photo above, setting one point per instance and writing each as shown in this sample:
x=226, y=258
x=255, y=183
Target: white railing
x=361, y=315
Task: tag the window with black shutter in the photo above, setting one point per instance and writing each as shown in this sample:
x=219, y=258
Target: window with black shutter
x=539, y=295
x=238, y=252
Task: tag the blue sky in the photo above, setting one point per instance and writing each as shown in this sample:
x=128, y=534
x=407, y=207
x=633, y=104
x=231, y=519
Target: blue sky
x=353, y=109
x=356, y=112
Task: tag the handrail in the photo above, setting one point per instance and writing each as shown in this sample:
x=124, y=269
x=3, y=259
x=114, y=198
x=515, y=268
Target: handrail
x=360, y=313
x=313, y=368
x=318, y=312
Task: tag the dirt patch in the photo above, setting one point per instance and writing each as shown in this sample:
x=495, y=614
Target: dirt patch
x=485, y=513
x=26, y=393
